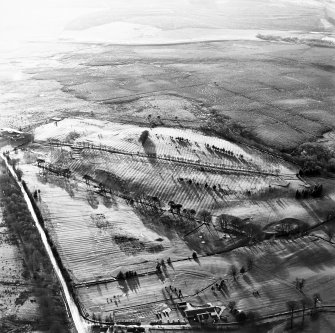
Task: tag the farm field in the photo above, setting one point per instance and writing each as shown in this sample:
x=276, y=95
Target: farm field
x=280, y=94
x=277, y=265
x=176, y=159
x=257, y=186
x=98, y=232
x=180, y=157
x=162, y=142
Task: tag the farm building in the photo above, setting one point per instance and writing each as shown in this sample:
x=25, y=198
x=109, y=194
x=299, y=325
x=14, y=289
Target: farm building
x=203, y=313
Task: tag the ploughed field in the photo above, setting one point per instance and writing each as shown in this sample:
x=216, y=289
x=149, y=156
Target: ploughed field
x=199, y=172
x=173, y=164
x=99, y=232
x=277, y=266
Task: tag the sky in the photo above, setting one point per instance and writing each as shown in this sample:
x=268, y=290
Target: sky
x=47, y=19
x=38, y=19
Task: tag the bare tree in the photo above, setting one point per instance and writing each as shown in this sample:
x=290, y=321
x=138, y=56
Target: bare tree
x=316, y=299
x=222, y=221
x=305, y=303
x=291, y=305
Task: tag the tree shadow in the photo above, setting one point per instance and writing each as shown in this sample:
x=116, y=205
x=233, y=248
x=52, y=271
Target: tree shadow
x=247, y=279
x=150, y=150
x=99, y=290
x=133, y=283
x=92, y=199
x=165, y=271
x=197, y=261
x=225, y=291
x=61, y=182
x=171, y=265
x=160, y=275
x=123, y=286
x=107, y=202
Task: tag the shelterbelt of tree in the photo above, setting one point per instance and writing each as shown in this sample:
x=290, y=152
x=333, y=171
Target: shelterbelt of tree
x=188, y=162
x=38, y=269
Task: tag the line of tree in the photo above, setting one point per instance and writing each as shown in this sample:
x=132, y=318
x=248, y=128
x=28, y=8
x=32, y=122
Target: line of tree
x=37, y=266
x=127, y=275
x=304, y=303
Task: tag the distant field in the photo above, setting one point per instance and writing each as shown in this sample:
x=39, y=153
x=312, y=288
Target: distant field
x=281, y=94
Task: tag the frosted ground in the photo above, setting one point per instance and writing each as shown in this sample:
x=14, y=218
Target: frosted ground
x=202, y=62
